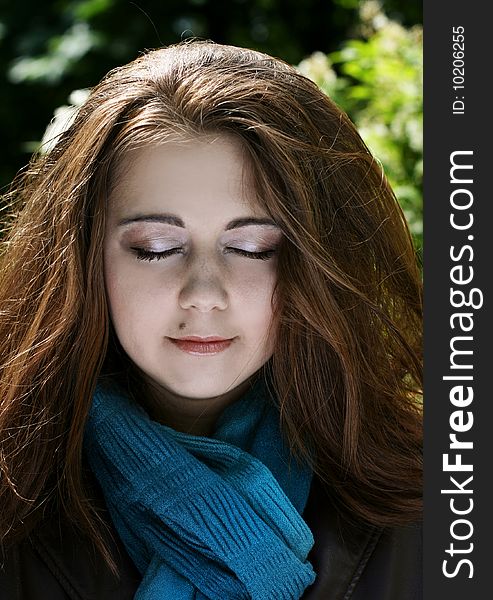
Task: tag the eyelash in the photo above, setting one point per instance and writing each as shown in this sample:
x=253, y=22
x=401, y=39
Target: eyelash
x=148, y=255
x=265, y=255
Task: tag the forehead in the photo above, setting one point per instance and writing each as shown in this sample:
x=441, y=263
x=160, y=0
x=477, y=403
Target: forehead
x=207, y=178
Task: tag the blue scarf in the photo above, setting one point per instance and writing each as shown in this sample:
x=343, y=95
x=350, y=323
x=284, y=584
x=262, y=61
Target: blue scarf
x=204, y=518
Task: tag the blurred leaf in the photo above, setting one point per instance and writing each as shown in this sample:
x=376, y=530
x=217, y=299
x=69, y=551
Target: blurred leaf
x=86, y=10
x=63, y=52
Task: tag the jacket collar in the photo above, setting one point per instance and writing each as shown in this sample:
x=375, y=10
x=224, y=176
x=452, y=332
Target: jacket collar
x=342, y=547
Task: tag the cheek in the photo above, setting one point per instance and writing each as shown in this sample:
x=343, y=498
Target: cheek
x=136, y=306
x=254, y=301
x=122, y=305
x=118, y=291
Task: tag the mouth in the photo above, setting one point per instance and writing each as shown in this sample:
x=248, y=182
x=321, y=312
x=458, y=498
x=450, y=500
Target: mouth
x=200, y=346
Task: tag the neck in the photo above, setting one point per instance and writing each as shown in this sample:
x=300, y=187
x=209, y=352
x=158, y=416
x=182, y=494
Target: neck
x=195, y=416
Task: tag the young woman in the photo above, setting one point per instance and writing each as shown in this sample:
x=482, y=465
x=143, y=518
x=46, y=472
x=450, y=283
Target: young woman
x=210, y=347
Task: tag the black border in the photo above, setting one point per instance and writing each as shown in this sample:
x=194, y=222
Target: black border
x=444, y=133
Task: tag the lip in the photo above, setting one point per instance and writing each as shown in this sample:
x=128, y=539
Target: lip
x=202, y=346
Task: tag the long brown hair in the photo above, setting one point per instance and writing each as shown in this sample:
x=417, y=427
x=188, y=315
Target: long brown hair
x=346, y=368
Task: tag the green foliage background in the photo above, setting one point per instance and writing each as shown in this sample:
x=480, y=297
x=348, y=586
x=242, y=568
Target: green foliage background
x=377, y=80
x=366, y=55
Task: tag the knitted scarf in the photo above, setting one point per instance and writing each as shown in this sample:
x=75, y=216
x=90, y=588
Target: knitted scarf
x=204, y=518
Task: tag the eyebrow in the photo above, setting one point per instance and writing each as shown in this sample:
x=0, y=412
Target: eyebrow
x=169, y=219
x=177, y=222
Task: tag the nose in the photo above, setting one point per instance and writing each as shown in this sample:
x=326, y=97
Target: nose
x=203, y=290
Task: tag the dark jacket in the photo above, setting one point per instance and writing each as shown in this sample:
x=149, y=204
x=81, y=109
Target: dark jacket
x=357, y=562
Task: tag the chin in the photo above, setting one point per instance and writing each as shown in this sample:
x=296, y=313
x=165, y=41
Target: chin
x=204, y=388
x=200, y=392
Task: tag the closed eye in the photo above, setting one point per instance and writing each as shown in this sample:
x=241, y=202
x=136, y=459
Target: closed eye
x=149, y=255
x=265, y=255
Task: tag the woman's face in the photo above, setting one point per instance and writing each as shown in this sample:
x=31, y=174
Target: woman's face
x=190, y=267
